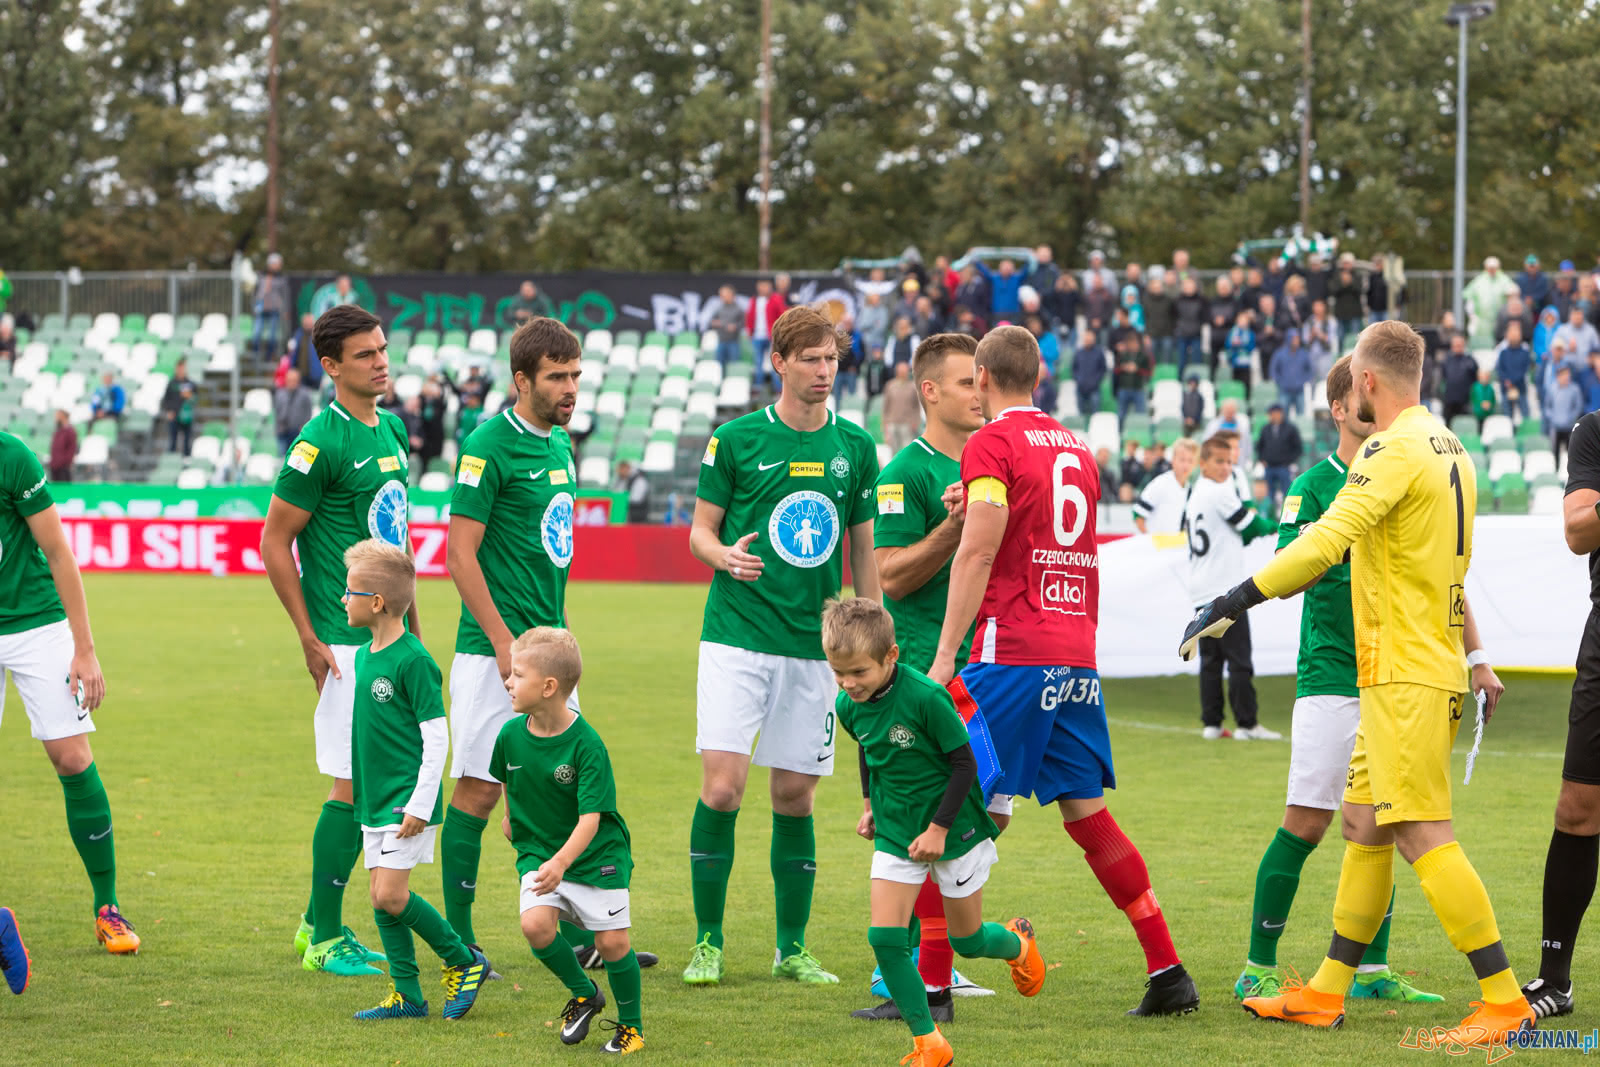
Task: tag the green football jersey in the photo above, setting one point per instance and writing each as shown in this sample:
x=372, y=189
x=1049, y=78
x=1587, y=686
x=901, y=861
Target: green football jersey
x=1327, y=663
x=27, y=592
x=396, y=689
x=352, y=478
x=518, y=481
x=550, y=781
x=799, y=493
x=910, y=507
x=906, y=731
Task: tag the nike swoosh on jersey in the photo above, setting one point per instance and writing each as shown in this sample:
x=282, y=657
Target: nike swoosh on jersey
x=513, y=766
x=535, y=474
x=768, y=466
x=363, y=463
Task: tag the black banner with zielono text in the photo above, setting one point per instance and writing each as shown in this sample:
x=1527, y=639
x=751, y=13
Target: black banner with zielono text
x=583, y=300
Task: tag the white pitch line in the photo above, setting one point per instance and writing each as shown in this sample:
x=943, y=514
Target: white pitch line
x=1167, y=728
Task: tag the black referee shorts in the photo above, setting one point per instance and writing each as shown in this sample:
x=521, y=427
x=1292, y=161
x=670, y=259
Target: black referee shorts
x=1582, y=762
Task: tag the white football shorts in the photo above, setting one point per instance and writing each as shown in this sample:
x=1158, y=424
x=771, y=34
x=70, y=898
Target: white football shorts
x=383, y=848
x=1322, y=735
x=335, y=714
x=1000, y=804
x=784, y=701
x=586, y=905
x=479, y=707
x=957, y=878
x=40, y=661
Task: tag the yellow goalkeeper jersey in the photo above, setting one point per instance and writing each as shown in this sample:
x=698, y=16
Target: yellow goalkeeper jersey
x=1405, y=516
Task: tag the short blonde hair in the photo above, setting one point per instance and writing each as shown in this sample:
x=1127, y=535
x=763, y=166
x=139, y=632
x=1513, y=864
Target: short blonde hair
x=388, y=569
x=555, y=651
x=1185, y=444
x=1011, y=355
x=1394, y=349
x=857, y=625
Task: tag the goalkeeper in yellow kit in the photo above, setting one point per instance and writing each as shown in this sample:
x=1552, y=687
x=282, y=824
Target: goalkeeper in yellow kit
x=1405, y=517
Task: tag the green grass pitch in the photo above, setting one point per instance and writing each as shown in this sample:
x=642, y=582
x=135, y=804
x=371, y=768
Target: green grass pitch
x=205, y=746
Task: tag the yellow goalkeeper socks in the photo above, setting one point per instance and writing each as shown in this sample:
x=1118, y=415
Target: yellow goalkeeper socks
x=1458, y=897
x=1366, y=881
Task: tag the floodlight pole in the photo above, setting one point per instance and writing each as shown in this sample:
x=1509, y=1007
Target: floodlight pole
x=1459, y=16
x=272, y=125
x=764, y=238
x=1305, y=116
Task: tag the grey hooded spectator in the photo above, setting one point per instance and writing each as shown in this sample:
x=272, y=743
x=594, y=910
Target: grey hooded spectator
x=873, y=321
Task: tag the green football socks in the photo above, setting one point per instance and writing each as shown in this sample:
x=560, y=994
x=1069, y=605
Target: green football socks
x=892, y=948
x=334, y=848
x=563, y=963
x=1277, y=880
x=710, y=864
x=460, y=846
x=402, y=952
x=623, y=975
x=1377, y=954
x=429, y=925
x=794, y=876
x=577, y=936
x=89, y=823
x=991, y=941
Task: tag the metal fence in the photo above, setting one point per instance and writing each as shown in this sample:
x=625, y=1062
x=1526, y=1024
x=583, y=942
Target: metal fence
x=1429, y=293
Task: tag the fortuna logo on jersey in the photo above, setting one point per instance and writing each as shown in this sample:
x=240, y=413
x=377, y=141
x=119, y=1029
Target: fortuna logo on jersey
x=804, y=529
x=382, y=690
x=565, y=774
x=386, y=518
x=1063, y=592
x=555, y=530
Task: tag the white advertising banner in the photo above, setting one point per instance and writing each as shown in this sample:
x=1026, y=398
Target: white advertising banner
x=1530, y=596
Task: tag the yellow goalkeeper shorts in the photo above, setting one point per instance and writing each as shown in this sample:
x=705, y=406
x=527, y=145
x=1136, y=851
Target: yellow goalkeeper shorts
x=1401, y=762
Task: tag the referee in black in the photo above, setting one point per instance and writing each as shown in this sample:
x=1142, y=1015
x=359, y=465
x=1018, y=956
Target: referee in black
x=1570, y=865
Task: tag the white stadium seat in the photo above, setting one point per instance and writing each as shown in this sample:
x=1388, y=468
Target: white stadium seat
x=193, y=478
x=701, y=404
x=595, y=471
x=1538, y=463
x=623, y=357
x=34, y=352
x=1497, y=427
x=223, y=358
x=258, y=401
x=484, y=341
x=160, y=325
x=581, y=423
x=653, y=357
x=1103, y=432
x=708, y=370
x=735, y=393
x=407, y=386
x=674, y=390
x=614, y=403
x=594, y=376
x=597, y=341
x=1503, y=463
x=108, y=323
x=708, y=341
x=659, y=457
x=115, y=354
x=424, y=356
x=1166, y=401
x=93, y=452
x=141, y=357
x=261, y=467
x=435, y=482
x=1547, y=500
x=586, y=397
x=682, y=356
x=207, y=448
x=667, y=418
x=213, y=325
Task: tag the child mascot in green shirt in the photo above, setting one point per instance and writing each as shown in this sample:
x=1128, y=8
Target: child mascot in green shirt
x=924, y=815
x=398, y=741
x=573, y=850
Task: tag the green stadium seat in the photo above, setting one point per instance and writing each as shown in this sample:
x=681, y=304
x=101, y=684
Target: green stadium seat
x=656, y=337
x=54, y=323
x=1504, y=444
x=185, y=326
x=454, y=337
x=688, y=337
x=1544, y=480
x=79, y=324
x=135, y=324
x=626, y=338
x=1230, y=390
x=1463, y=426
x=1471, y=441
x=1513, y=501
x=1138, y=427
x=1164, y=372
x=1530, y=428
x=1077, y=423
x=1485, y=494
x=427, y=337
x=1168, y=430
x=1480, y=463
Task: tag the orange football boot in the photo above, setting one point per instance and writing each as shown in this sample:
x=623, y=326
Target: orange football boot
x=1489, y=1024
x=1027, y=970
x=931, y=1050
x=1301, y=1004
x=115, y=932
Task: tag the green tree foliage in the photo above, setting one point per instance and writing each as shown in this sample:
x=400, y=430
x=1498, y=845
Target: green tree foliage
x=549, y=134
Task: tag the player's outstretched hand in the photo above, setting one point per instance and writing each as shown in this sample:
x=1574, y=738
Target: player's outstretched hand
x=85, y=681
x=739, y=562
x=410, y=826
x=548, y=876
x=928, y=846
x=865, y=827
x=1214, y=618
x=1485, y=681
x=502, y=660
x=955, y=502
x=320, y=661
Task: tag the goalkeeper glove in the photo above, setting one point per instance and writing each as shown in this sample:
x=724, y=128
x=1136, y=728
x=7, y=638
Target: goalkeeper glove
x=1213, y=619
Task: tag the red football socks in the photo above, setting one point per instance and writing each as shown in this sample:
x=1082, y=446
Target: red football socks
x=934, y=954
x=1122, y=873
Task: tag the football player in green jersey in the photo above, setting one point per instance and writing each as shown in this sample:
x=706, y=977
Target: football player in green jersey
x=397, y=750
x=46, y=644
x=915, y=533
x=574, y=856
x=779, y=490
x=344, y=481
x=1327, y=708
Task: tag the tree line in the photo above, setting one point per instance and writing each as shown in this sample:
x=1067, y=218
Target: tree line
x=548, y=135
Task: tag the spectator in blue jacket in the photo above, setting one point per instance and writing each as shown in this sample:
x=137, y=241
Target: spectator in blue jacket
x=108, y=399
x=1004, y=284
x=1088, y=371
x=1534, y=283
x=1559, y=358
x=1240, y=348
x=1543, y=333
x=1291, y=370
x=1132, y=304
x=1511, y=367
x=1049, y=347
x=1563, y=408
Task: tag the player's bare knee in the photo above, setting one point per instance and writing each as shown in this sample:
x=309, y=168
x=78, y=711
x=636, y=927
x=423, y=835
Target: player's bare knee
x=342, y=791
x=612, y=944
x=1000, y=821
x=721, y=795
x=1308, y=824
x=69, y=756
x=1073, y=809
x=539, y=926
x=1578, y=809
x=390, y=899
x=475, y=796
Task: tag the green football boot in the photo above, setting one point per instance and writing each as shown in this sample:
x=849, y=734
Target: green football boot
x=705, y=964
x=302, y=938
x=367, y=955
x=1386, y=985
x=802, y=967
x=1256, y=982
x=340, y=956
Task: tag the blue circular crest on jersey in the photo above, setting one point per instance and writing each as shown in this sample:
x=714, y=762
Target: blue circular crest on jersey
x=555, y=530
x=804, y=529
x=386, y=518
